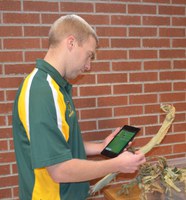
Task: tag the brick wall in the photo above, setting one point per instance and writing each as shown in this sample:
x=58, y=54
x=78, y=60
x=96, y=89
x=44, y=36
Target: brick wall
x=141, y=63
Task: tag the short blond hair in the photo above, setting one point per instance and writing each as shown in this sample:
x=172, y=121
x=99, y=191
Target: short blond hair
x=71, y=25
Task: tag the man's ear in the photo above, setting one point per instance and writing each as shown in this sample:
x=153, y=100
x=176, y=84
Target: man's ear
x=70, y=42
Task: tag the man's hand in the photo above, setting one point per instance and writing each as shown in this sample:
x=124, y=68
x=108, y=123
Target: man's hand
x=130, y=162
x=111, y=136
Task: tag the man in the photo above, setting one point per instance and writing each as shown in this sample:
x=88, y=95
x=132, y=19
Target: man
x=50, y=152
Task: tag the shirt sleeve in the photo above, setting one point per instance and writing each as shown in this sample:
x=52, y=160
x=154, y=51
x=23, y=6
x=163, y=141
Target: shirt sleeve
x=47, y=142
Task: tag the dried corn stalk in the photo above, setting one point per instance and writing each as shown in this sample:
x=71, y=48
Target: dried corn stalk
x=170, y=114
x=170, y=110
x=156, y=177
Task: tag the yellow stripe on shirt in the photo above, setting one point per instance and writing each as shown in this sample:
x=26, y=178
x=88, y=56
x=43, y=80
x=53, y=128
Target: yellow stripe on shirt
x=45, y=188
x=23, y=102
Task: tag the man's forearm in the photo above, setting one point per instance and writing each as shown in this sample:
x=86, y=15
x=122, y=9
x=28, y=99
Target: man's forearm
x=77, y=170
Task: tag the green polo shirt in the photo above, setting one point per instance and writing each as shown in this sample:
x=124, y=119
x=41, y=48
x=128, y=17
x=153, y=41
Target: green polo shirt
x=46, y=132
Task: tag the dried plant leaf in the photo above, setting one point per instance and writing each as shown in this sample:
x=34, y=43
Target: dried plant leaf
x=170, y=114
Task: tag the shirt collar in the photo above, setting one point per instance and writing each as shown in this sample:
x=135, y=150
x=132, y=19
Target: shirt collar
x=46, y=67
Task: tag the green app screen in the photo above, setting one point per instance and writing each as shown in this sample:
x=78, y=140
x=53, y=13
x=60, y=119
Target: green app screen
x=120, y=141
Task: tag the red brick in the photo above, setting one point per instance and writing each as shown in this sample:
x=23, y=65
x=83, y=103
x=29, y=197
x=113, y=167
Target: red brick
x=110, y=8
x=95, y=90
x=157, y=1
x=152, y=130
x=172, y=138
x=142, y=54
x=6, y=108
x=100, y=66
x=180, y=106
x=139, y=142
x=174, y=53
x=172, y=32
x=180, y=86
x=95, y=135
x=112, y=78
x=141, y=9
x=173, y=97
x=9, y=120
x=2, y=121
x=40, y=6
x=5, y=170
x=142, y=77
x=173, y=75
x=127, y=88
x=156, y=43
x=9, y=5
x=18, y=68
x=15, y=191
x=7, y=31
x=8, y=181
x=156, y=20
x=84, y=79
x=104, y=42
x=1, y=69
x=28, y=43
x=8, y=56
x=125, y=20
x=143, y=120
x=96, y=19
x=5, y=193
x=88, y=125
x=171, y=10
x=157, y=65
x=142, y=31
x=111, y=31
x=31, y=56
x=179, y=64
x=125, y=43
x=6, y=133
x=179, y=116
x=10, y=82
x=36, y=31
x=108, y=54
x=112, y=123
x=44, y=43
x=145, y=98
x=128, y=110
x=154, y=108
x=76, y=7
x=179, y=43
x=178, y=2
x=85, y=102
x=126, y=66
x=21, y=18
x=179, y=148
x=7, y=157
x=158, y=87
x=178, y=21
x=14, y=168
x=49, y=18
x=181, y=127
x=10, y=95
x=96, y=113
x=160, y=150
x=2, y=96
x=112, y=101
x=3, y=145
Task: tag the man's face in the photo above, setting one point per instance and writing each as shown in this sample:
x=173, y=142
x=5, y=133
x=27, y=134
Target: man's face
x=81, y=56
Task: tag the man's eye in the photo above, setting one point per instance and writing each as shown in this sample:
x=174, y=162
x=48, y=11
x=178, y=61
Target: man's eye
x=92, y=56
